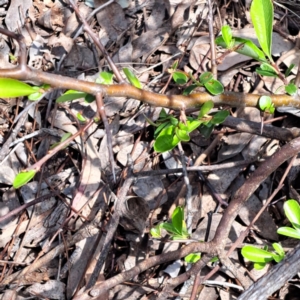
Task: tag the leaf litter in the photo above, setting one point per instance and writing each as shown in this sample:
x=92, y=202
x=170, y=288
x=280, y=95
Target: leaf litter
x=51, y=249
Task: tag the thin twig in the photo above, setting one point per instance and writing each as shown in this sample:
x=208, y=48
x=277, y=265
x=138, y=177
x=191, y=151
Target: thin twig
x=97, y=42
x=210, y=19
x=102, y=114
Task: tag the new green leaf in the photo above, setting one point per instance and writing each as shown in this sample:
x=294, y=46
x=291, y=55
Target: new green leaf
x=180, y=77
x=262, y=14
x=227, y=36
x=70, y=95
x=256, y=255
x=22, y=178
x=214, y=86
x=132, y=78
x=245, y=47
x=205, y=108
x=292, y=212
x=166, y=140
x=105, y=78
x=192, y=258
x=10, y=88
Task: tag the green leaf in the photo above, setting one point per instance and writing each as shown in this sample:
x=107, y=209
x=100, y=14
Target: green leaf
x=156, y=231
x=132, y=78
x=166, y=140
x=10, y=88
x=289, y=69
x=292, y=212
x=70, y=95
x=23, y=178
x=182, y=134
x=35, y=96
x=279, y=256
x=266, y=69
x=290, y=232
x=105, y=78
x=169, y=228
x=265, y=73
x=206, y=130
x=219, y=117
x=180, y=77
x=192, y=258
x=247, y=47
x=189, y=89
x=173, y=121
x=291, y=89
x=227, y=35
x=178, y=219
x=163, y=114
x=160, y=128
x=80, y=117
x=265, y=104
x=192, y=124
x=259, y=266
x=65, y=136
x=205, y=108
x=278, y=248
x=214, y=86
x=89, y=98
x=256, y=255
x=175, y=65
x=205, y=77
x=262, y=15
x=214, y=259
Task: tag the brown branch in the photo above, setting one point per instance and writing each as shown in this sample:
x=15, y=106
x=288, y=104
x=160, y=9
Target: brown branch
x=250, y=186
x=23, y=72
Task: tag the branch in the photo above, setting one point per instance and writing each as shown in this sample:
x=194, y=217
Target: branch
x=23, y=72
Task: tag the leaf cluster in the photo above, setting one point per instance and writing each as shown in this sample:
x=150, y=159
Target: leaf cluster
x=170, y=130
x=262, y=14
x=261, y=257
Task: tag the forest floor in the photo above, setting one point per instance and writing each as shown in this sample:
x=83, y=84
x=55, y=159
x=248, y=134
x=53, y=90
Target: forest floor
x=86, y=225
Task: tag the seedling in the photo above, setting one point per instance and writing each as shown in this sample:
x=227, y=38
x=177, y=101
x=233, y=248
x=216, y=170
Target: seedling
x=262, y=14
x=171, y=130
x=176, y=228
x=265, y=104
x=292, y=212
x=260, y=257
x=206, y=79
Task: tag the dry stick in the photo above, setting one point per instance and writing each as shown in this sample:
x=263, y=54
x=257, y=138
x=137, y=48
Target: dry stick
x=95, y=11
x=212, y=39
x=188, y=197
x=62, y=145
x=207, y=168
x=264, y=207
x=198, y=162
x=5, y=148
x=88, y=230
x=102, y=114
x=112, y=226
x=269, y=131
x=18, y=210
x=97, y=42
x=108, y=284
x=250, y=186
